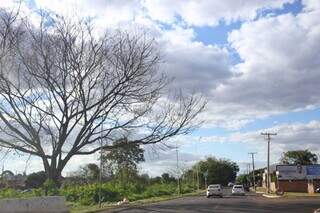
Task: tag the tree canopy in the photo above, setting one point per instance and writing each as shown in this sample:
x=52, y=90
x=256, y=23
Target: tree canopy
x=220, y=171
x=90, y=172
x=123, y=160
x=302, y=157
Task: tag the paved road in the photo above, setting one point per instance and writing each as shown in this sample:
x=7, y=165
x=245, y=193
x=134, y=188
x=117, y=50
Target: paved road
x=227, y=204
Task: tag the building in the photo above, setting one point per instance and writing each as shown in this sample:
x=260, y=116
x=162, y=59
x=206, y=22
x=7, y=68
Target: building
x=293, y=178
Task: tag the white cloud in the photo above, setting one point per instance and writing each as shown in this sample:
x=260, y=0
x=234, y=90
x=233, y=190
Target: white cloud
x=279, y=72
x=208, y=12
x=110, y=12
x=289, y=137
x=198, y=13
x=311, y=4
x=166, y=162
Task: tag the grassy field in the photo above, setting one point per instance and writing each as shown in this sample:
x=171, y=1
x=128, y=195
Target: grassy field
x=300, y=194
x=76, y=208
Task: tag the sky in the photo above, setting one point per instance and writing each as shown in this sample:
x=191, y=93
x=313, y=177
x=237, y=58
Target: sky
x=256, y=62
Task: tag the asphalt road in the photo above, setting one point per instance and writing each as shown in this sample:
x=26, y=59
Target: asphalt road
x=249, y=203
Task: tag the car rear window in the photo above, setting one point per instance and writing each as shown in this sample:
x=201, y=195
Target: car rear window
x=214, y=187
x=238, y=187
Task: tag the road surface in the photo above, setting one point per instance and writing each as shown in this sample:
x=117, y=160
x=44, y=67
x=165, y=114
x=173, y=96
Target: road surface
x=227, y=204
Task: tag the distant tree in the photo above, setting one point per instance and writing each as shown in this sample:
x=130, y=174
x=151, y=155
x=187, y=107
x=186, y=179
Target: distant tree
x=220, y=171
x=167, y=178
x=302, y=157
x=123, y=160
x=90, y=172
x=36, y=179
x=243, y=179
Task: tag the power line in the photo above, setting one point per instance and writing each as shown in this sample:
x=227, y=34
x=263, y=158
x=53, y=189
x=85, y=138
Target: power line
x=254, y=177
x=268, y=138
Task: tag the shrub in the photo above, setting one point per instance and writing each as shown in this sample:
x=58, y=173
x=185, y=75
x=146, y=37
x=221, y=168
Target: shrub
x=9, y=193
x=50, y=188
x=89, y=194
x=160, y=190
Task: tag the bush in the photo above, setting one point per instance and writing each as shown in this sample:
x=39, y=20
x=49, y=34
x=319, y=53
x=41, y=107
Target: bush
x=50, y=188
x=9, y=193
x=160, y=190
x=89, y=194
x=12, y=193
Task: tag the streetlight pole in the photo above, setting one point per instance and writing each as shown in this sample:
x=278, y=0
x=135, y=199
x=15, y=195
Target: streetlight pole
x=254, y=177
x=268, y=138
x=178, y=172
x=205, y=174
x=198, y=179
x=100, y=172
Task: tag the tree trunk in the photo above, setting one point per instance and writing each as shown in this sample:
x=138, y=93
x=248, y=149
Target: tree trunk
x=54, y=173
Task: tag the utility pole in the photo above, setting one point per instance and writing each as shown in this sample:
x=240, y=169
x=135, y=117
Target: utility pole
x=205, y=174
x=178, y=172
x=100, y=172
x=254, y=177
x=267, y=136
x=248, y=173
x=198, y=179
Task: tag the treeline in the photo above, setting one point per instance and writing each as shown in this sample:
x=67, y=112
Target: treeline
x=120, y=179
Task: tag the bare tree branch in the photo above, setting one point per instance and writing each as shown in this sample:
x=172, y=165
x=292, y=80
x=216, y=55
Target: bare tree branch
x=64, y=89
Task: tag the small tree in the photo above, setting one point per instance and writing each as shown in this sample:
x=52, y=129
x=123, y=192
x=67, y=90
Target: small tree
x=90, y=172
x=243, y=179
x=220, y=171
x=302, y=157
x=167, y=178
x=123, y=160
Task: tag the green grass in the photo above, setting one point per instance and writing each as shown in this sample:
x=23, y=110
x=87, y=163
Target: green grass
x=300, y=194
x=77, y=208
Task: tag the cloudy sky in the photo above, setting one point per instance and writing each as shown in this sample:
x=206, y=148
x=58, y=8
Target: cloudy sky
x=256, y=61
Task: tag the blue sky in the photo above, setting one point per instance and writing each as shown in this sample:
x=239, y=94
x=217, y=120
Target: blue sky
x=256, y=62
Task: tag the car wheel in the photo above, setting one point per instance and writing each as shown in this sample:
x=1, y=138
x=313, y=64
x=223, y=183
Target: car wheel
x=208, y=196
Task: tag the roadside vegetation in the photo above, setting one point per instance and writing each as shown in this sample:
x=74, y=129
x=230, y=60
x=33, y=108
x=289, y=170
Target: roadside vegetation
x=121, y=179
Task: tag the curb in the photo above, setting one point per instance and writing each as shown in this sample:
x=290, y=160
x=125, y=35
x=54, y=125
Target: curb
x=271, y=196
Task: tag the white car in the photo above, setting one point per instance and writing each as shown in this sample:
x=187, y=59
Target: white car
x=214, y=190
x=238, y=190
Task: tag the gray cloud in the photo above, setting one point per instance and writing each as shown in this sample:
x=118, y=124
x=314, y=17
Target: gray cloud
x=193, y=65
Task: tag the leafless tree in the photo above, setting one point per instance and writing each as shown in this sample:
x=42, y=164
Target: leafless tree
x=63, y=90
